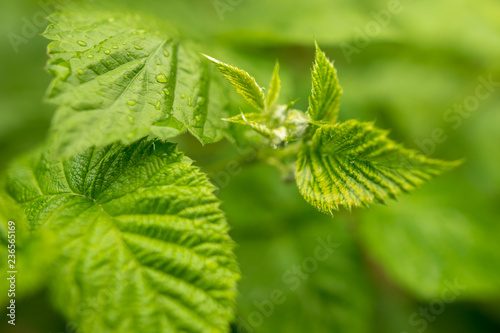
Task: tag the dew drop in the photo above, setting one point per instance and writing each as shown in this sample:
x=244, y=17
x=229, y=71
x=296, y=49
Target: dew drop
x=198, y=118
x=80, y=72
x=157, y=106
x=183, y=96
x=90, y=56
x=166, y=54
x=161, y=78
x=166, y=91
x=115, y=47
x=189, y=101
x=107, y=51
x=124, y=43
x=131, y=102
x=81, y=43
x=137, y=47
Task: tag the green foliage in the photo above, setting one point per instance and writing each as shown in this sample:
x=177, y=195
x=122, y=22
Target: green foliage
x=274, y=87
x=325, y=98
x=280, y=124
x=121, y=77
x=353, y=164
x=244, y=84
x=346, y=164
x=143, y=244
x=409, y=75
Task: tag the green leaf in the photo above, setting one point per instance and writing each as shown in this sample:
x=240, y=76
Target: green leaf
x=325, y=97
x=244, y=84
x=118, y=77
x=143, y=244
x=354, y=164
x=274, y=87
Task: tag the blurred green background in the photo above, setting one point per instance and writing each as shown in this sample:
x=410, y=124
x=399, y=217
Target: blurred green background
x=408, y=65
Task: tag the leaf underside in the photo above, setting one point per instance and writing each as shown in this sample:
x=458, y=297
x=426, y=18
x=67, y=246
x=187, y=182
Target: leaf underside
x=143, y=244
x=354, y=164
x=120, y=78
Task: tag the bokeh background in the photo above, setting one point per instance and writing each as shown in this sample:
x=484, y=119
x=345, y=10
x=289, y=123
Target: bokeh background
x=408, y=65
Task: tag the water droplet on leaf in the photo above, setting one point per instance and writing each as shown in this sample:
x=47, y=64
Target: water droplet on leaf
x=131, y=102
x=162, y=78
x=81, y=43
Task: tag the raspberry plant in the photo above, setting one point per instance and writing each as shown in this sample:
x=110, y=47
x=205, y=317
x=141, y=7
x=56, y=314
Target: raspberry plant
x=138, y=242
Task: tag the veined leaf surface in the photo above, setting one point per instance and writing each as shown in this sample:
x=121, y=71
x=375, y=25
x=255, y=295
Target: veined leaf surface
x=143, y=244
x=118, y=77
x=324, y=101
x=243, y=83
x=354, y=164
